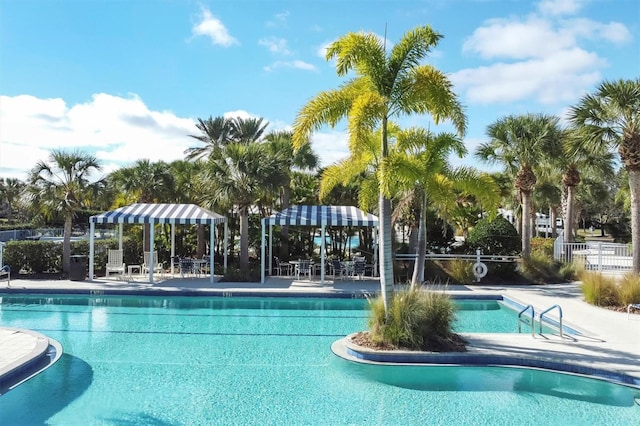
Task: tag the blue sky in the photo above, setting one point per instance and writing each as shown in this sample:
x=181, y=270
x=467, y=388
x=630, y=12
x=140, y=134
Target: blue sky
x=127, y=79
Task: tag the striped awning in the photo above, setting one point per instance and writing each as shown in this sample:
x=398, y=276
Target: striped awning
x=322, y=215
x=184, y=214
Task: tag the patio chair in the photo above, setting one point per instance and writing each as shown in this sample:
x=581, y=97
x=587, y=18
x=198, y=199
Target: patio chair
x=359, y=268
x=157, y=266
x=115, y=263
x=282, y=267
x=338, y=269
x=303, y=267
x=5, y=271
x=187, y=266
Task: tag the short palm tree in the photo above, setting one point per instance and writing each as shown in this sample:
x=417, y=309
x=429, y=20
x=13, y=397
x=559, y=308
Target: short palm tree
x=61, y=185
x=611, y=117
x=520, y=143
x=385, y=84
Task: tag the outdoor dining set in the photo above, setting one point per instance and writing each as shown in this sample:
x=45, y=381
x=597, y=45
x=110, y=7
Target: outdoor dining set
x=357, y=267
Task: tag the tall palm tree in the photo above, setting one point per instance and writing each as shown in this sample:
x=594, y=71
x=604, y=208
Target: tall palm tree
x=521, y=143
x=61, y=185
x=384, y=85
x=238, y=175
x=10, y=191
x=144, y=182
x=280, y=143
x=422, y=167
x=611, y=117
x=214, y=132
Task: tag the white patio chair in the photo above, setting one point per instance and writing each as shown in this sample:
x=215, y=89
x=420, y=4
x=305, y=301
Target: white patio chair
x=303, y=267
x=282, y=268
x=157, y=266
x=115, y=263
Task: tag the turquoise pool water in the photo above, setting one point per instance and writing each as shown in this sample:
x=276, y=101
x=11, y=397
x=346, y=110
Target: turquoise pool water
x=188, y=361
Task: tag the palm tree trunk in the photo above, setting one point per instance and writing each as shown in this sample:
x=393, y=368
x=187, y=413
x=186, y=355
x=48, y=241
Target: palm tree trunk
x=66, y=244
x=634, y=190
x=568, y=222
x=418, y=267
x=147, y=233
x=385, y=251
x=201, y=235
x=526, y=225
x=554, y=218
x=244, y=238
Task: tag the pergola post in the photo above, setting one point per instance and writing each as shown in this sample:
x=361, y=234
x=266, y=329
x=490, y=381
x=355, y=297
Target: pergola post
x=92, y=232
x=262, y=235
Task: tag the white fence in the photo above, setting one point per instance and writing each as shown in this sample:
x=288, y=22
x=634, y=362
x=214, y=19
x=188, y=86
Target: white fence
x=595, y=256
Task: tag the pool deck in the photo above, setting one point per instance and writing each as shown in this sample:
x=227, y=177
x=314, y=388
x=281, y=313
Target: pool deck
x=609, y=341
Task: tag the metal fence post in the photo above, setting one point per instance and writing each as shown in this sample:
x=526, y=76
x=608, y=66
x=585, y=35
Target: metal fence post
x=600, y=257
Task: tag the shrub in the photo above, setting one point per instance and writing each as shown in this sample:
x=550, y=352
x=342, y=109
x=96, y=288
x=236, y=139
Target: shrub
x=235, y=274
x=496, y=237
x=629, y=289
x=461, y=271
x=416, y=320
x=540, y=268
x=599, y=290
x=543, y=246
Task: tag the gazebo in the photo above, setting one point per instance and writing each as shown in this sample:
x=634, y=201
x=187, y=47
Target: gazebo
x=319, y=217
x=174, y=214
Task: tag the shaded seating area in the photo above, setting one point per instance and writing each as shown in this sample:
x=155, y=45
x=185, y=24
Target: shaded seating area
x=154, y=214
x=318, y=217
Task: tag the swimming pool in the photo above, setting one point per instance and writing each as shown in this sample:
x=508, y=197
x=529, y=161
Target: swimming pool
x=180, y=360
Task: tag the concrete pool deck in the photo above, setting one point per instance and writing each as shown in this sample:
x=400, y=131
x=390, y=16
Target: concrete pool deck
x=609, y=340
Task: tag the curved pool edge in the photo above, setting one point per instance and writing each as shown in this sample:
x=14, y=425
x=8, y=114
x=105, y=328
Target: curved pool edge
x=25, y=354
x=478, y=356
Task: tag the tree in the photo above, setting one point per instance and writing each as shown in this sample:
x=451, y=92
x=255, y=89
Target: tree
x=280, y=144
x=384, y=85
x=214, y=132
x=520, y=143
x=61, y=185
x=611, y=117
x=11, y=190
x=144, y=182
x=239, y=175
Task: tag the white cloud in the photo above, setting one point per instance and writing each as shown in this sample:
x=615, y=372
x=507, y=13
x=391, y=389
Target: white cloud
x=613, y=32
x=117, y=130
x=297, y=64
x=562, y=76
x=212, y=27
x=322, y=50
x=330, y=146
x=559, y=7
x=280, y=20
x=275, y=45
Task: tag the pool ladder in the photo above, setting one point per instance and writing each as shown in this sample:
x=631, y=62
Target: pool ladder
x=541, y=318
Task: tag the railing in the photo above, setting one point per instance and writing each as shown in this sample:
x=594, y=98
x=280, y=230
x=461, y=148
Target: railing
x=520, y=320
x=542, y=314
x=595, y=256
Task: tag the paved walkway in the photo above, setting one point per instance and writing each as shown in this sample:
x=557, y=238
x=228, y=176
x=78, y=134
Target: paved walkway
x=609, y=340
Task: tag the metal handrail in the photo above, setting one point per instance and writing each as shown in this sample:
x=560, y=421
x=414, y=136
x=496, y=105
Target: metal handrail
x=550, y=309
x=526, y=308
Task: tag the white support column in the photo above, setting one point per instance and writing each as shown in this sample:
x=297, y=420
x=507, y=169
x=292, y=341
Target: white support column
x=225, y=244
x=322, y=251
x=212, y=236
x=173, y=245
x=120, y=226
x=152, y=231
x=262, y=232
x=92, y=233
x=271, y=248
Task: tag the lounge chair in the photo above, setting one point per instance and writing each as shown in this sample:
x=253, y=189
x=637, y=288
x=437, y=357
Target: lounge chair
x=5, y=271
x=115, y=263
x=157, y=266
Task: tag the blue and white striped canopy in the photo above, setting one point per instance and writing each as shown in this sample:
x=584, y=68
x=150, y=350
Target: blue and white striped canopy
x=322, y=215
x=184, y=214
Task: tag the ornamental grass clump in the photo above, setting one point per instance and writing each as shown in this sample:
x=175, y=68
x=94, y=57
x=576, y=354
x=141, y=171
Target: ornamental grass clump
x=461, y=271
x=599, y=290
x=629, y=289
x=417, y=320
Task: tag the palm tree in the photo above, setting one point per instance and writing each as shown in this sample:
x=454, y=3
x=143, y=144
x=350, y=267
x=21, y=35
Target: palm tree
x=610, y=117
x=420, y=165
x=61, y=185
x=144, y=182
x=214, y=132
x=280, y=143
x=521, y=143
x=239, y=175
x=385, y=85
x=11, y=190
